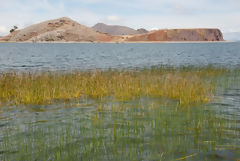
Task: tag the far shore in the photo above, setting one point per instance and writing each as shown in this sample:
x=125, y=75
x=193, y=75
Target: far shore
x=130, y=42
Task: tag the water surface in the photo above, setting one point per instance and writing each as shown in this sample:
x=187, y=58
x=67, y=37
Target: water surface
x=140, y=129
x=91, y=56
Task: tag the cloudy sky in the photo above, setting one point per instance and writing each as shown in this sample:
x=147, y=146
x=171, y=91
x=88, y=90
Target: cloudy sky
x=223, y=14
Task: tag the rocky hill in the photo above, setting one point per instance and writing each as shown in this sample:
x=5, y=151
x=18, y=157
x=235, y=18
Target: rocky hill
x=117, y=30
x=179, y=35
x=62, y=29
x=66, y=30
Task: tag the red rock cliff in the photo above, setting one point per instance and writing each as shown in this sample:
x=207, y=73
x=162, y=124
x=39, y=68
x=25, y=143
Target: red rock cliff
x=180, y=35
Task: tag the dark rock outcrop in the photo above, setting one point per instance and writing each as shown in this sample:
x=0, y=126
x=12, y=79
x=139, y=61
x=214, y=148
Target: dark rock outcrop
x=142, y=31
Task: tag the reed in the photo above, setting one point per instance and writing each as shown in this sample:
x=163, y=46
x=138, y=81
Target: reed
x=188, y=86
x=125, y=115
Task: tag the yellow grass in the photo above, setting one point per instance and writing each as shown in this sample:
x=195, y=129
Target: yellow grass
x=188, y=87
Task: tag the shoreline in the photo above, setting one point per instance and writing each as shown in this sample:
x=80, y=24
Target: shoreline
x=134, y=42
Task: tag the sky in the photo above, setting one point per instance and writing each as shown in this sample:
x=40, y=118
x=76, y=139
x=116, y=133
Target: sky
x=149, y=14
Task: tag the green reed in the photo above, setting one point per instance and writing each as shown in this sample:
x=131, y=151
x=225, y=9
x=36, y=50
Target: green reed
x=119, y=115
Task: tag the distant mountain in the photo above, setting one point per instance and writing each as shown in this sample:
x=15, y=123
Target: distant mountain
x=232, y=36
x=142, y=31
x=62, y=29
x=117, y=30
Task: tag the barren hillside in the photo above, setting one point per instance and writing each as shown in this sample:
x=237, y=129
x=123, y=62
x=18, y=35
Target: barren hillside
x=62, y=29
x=66, y=30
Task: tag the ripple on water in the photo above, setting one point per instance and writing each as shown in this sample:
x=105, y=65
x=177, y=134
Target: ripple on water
x=224, y=54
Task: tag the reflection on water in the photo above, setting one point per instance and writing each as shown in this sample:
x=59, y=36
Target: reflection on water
x=141, y=129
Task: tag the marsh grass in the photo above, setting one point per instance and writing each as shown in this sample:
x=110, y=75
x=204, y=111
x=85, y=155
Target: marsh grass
x=186, y=85
x=123, y=115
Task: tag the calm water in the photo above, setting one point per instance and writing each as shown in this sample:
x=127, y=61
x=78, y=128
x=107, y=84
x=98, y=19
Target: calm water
x=143, y=129
x=91, y=56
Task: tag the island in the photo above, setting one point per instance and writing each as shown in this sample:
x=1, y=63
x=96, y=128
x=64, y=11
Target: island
x=67, y=30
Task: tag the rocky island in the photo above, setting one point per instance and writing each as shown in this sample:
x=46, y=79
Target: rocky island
x=67, y=30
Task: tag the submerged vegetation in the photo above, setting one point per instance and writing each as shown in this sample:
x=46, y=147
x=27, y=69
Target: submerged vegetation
x=137, y=133
x=187, y=86
x=120, y=115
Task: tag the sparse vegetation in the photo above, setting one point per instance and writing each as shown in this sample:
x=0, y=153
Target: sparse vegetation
x=13, y=29
x=62, y=21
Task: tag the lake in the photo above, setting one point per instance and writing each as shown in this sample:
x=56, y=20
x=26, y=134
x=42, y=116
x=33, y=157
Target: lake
x=138, y=115
x=91, y=56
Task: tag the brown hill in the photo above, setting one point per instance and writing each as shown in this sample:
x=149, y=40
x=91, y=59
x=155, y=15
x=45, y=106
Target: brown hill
x=62, y=29
x=6, y=38
x=117, y=30
x=179, y=35
x=65, y=29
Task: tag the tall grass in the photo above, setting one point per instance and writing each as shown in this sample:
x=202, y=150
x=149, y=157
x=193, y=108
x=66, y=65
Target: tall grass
x=127, y=122
x=188, y=86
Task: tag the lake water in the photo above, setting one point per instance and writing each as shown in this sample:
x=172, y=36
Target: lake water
x=142, y=129
x=91, y=56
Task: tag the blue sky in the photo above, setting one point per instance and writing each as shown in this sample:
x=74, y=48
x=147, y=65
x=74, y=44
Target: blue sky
x=223, y=14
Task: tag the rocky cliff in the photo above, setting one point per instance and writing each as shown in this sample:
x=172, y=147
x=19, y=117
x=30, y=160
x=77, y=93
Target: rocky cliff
x=117, y=30
x=179, y=35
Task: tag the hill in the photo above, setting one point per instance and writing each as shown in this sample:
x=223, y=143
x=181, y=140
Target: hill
x=66, y=30
x=117, y=30
x=62, y=29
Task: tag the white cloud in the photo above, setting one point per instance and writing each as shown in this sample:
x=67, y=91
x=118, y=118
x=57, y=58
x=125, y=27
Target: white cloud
x=84, y=17
x=113, y=20
x=3, y=30
x=154, y=28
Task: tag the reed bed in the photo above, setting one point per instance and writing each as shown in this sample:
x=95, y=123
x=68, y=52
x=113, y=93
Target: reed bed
x=125, y=115
x=188, y=86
